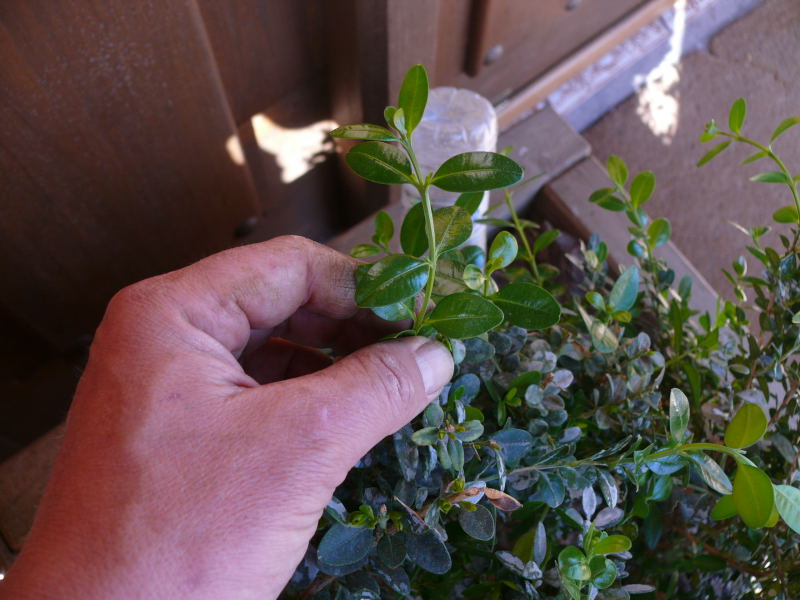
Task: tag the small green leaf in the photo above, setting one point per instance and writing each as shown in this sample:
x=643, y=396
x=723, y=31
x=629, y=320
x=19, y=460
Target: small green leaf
x=364, y=250
x=604, y=572
x=612, y=545
x=573, y=564
x=413, y=238
x=364, y=131
x=476, y=172
x=635, y=249
x=712, y=473
x=470, y=201
x=658, y=232
x=399, y=311
x=478, y=524
x=737, y=115
x=514, y=444
x=399, y=120
x=596, y=300
x=414, y=96
x=543, y=240
x=473, y=277
x=389, y=280
x=464, y=315
x=344, y=545
x=469, y=431
x=754, y=496
x=787, y=501
x=452, y=226
x=678, y=414
x=786, y=214
x=427, y=436
x=617, y=170
x=612, y=203
x=754, y=157
x=725, y=508
x=786, y=124
x=772, y=177
x=380, y=162
x=528, y=305
x=642, y=188
x=747, y=427
x=384, y=228
x=502, y=252
x=603, y=338
x=711, y=154
x=623, y=294
x=388, y=115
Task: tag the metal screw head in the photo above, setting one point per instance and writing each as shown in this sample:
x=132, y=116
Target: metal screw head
x=493, y=55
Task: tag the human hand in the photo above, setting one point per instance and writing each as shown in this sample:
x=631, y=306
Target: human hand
x=191, y=467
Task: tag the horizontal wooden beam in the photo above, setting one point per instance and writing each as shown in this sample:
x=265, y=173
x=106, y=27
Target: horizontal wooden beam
x=526, y=99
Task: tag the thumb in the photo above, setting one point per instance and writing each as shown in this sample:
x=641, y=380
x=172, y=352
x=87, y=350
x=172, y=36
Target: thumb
x=372, y=393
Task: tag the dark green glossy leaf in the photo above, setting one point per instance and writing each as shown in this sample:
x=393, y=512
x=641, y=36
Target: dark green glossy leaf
x=787, y=501
x=785, y=124
x=725, y=508
x=413, y=96
x=380, y=162
x=413, y=238
x=753, y=495
x=550, y=489
x=636, y=249
x=433, y=416
x=429, y=552
x=514, y=444
x=364, y=250
x=617, y=170
x=772, y=177
x=747, y=427
x=478, y=523
x=604, y=572
x=612, y=203
x=658, y=232
x=502, y=252
x=364, y=131
x=477, y=171
x=528, y=305
x=712, y=473
x=389, y=280
x=464, y=315
x=452, y=225
x=642, y=188
x=786, y=214
x=399, y=311
x=711, y=154
x=623, y=294
x=470, y=202
x=343, y=545
x=384, y=228
x=392, y=550
x=737, y=115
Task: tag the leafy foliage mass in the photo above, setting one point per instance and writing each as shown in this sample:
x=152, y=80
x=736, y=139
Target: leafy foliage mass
x=613, y=445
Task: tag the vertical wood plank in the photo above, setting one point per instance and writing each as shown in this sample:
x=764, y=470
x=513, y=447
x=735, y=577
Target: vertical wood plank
x=113, y=132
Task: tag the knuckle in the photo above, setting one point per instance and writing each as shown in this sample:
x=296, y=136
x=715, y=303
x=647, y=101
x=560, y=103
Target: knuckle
x=390, y=380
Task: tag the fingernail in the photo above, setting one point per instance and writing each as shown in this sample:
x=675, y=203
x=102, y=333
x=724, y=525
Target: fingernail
x=435, y=365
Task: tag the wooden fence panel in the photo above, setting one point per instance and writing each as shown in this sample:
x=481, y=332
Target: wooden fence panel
x=114, y=129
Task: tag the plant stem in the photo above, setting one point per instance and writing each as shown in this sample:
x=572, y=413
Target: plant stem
x=736, y=454
x=523, y=238
x=433, y=253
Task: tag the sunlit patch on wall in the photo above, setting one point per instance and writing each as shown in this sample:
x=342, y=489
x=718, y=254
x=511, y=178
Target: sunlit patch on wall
x=296, y=150
x=659, y=102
